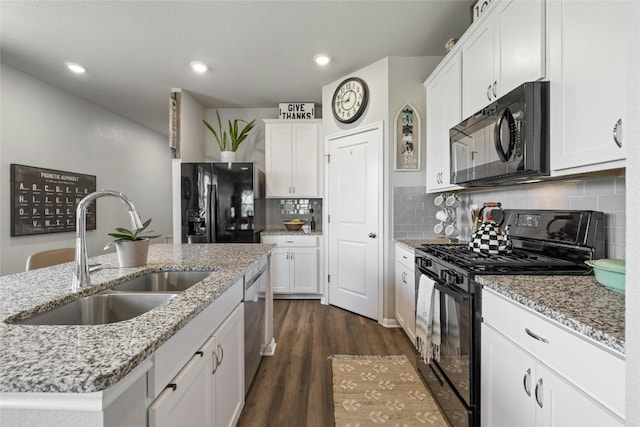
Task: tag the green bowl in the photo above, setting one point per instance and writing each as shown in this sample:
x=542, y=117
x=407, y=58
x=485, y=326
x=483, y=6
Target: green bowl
x=609, y=273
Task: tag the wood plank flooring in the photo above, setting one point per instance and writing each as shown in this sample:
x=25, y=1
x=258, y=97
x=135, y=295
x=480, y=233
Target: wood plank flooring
x=293, y=388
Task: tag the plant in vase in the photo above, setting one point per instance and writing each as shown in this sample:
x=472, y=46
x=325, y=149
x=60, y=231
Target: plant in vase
x=234, y=137
x=132, y=246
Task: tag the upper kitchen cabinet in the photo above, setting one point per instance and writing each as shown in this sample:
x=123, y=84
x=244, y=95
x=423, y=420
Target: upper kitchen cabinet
x=443, y=112
x=588, y=63
x=503, y=50
x=292, y=157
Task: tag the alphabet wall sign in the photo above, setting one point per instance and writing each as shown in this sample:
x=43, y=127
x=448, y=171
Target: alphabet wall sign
x=44, y=200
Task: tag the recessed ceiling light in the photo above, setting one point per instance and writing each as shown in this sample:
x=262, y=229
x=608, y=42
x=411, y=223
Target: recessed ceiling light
x=199, y=67
x=322, y=59
x=76, y=68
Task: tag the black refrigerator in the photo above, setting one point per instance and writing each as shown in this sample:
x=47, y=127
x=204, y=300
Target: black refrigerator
x=222, y=203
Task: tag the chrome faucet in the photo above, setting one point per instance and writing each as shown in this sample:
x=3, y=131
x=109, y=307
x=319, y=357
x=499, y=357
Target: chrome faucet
x=81, y=269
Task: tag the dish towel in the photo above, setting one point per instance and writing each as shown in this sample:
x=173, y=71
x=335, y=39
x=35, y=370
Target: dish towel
x=451, y=347
x=428, y=320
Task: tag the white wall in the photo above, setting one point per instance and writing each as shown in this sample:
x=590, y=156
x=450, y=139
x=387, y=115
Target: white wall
x=192, y=130
x=392, y=82
x=45, y=127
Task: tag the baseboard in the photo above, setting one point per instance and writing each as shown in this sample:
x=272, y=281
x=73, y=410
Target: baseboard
x=269, y=349
x=390, y=323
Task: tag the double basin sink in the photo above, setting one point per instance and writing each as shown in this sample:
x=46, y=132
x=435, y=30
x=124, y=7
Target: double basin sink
x=122, y=302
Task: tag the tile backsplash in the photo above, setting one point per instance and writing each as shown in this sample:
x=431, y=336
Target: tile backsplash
x=414, y=211
x=279, y=210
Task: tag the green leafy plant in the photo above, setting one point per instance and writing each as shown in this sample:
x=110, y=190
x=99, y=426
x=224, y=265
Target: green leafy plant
x=235, y=135
x=124, y=234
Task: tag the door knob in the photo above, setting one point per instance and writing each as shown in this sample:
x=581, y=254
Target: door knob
x=372, y=235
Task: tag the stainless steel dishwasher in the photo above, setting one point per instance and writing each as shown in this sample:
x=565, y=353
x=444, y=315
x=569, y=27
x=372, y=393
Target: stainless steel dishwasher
x=254, y=320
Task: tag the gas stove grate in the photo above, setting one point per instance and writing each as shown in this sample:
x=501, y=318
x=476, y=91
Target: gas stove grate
x=518, y=262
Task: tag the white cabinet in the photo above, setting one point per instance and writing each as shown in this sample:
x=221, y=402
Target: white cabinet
x=294, y=264
x=406, y=291
x=207, y=389
x=185, y=400
x=556, y=379
x=588, y=74
x=225, y=350
x=292, y=158
x=443, y=90
x=503, y=50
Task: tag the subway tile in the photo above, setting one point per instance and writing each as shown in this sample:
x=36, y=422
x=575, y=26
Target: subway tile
x=611, y=202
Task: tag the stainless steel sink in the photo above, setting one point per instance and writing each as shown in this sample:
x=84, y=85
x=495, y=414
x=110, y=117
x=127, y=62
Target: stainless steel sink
x=99, y=309
x=163, y=281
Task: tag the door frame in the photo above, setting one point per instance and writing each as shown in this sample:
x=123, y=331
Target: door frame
x=382, y=232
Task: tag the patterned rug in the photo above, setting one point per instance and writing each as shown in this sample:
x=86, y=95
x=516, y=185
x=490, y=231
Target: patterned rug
x=380, y=391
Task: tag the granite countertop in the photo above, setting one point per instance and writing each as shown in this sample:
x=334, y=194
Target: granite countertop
x=577, y=302
x=285, y=232
x=412, y=244
x=82, y=358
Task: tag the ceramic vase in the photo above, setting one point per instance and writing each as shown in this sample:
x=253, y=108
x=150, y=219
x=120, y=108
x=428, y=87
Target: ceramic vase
x=228, y=156
x=132, y=253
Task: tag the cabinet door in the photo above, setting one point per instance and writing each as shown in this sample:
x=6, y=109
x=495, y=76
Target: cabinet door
x=479, y=87
x=507, y=382
x=278, y=158
x=443, y=112
x=400, y=295
x=227, y=380
x=519, y=46
x=305, y=160
x=188, y=402
x=558, y=403
x=304, y=270
x=589, y=84
x=279, y=270
x=405, y=300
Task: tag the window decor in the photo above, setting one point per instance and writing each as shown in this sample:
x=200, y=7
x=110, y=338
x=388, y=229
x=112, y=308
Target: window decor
x=407, y=139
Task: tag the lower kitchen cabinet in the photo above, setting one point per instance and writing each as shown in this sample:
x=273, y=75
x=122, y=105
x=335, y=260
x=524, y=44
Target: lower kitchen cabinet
x=528, y=381
x=209, y=390
x=294, y=264
x=226, y=377
x=405, y=291
x=185, y=400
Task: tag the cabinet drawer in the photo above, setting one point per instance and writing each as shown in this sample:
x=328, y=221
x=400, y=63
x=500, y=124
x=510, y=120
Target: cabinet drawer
x=598, y=372
x=405, y=256
x=286, y=241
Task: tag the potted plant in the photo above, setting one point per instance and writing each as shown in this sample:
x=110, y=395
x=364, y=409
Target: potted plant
x=234, y=137
x=132, y=246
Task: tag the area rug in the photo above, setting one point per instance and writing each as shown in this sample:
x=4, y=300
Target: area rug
x=380, y=391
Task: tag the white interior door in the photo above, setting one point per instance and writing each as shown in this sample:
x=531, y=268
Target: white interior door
x=355, y=185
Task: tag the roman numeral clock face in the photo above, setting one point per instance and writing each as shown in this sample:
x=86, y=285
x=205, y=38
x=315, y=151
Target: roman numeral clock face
x=350, y=100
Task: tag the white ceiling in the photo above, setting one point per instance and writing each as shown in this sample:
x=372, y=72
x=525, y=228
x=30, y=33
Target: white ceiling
x=260, y=52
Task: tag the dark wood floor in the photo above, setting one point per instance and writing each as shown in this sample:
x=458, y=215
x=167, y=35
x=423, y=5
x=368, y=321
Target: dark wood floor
x=293, y=388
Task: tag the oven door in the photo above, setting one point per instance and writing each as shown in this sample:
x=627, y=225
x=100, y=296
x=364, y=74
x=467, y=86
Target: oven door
x=456, y=339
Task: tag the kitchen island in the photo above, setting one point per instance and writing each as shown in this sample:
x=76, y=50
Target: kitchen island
x=65, y=361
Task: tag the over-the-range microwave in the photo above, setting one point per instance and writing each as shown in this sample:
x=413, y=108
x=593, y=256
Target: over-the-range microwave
x=506, y=142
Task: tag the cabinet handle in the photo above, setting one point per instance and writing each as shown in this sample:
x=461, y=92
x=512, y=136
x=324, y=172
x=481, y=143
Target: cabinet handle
x=221, y=355
x=538, y=387
x=288, y=241
x=536, y=336
x=201, y=353
x=617, y=133
x=214, y=356
x=294, y=189
x=489, y=93
x=287, y=255
x=495, y=93
x=173, y=386
x=525, y=382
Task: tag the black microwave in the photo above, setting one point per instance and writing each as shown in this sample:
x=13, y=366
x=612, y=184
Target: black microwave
x=505, y=142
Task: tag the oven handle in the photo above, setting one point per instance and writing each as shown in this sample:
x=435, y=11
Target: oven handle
x=455, y=294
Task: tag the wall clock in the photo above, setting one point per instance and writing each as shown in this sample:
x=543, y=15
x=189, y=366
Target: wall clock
x=350, y=100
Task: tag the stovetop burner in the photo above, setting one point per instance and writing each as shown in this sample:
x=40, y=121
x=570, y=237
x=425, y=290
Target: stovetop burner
x=518, y=262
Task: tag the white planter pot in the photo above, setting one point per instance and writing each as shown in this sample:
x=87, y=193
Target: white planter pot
x=132, y=253
x=228, y=156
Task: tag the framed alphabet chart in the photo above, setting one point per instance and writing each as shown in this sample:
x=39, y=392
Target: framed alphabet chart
x=45, y=200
